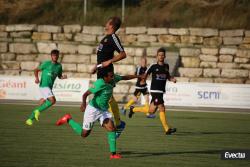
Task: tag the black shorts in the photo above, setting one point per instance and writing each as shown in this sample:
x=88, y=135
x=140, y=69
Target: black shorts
x=138, y=92
x=157, y=98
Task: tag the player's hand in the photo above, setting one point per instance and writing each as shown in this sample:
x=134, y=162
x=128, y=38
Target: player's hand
x=64, y=77
x=93, y=69
x=106, y=63
x=142, y=77
x=37, y=81
x=173, y=80
x=142, y=82
x=83, y=107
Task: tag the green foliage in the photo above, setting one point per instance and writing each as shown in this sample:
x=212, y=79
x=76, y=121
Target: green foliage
x=228, y=14
x=116, y=3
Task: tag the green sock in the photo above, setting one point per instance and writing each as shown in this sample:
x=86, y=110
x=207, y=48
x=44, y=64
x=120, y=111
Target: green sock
x=41, y=108
x=75, y=126
x=32, y=115
x=112, y=142
x=44, y=106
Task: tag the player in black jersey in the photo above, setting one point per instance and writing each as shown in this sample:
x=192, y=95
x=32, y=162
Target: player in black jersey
x=108, y=45
x=105, y=58
x=160, y=75
x=140, y=88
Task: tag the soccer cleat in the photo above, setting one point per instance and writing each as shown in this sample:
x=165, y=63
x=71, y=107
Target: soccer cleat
x=123, y=111
x=131, y=112
x=63, y=120
x=119, y=129
x=115, y=156
x=151, y=116
x=29, y=122
x=37, y=114
x=170, y=131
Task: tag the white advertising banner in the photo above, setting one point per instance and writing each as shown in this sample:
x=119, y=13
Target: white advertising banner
x=207, y=95
x=24, y=88
x=70, y=89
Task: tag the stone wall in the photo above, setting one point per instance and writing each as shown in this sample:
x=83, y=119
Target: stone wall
x=205, y=54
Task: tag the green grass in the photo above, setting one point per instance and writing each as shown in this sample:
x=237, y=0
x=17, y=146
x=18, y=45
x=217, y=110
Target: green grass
x=199, y=141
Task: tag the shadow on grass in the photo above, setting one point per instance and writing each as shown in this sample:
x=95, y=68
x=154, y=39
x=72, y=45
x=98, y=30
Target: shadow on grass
x=147, y=154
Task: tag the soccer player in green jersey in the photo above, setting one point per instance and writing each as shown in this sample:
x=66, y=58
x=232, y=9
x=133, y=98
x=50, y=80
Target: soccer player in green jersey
x=105, y=59
x=50, y=70
x=97, y=109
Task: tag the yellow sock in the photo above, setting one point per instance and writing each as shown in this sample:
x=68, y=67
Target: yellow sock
x=114, y=109
x=163, y=120
x=130, y=102
x=143, y=109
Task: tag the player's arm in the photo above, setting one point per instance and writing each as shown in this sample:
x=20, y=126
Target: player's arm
x=129, y=77
x=119, y=48
x=36, y=72
x=63, y=76
x=145, y=76
x=38, y=69
x=98, y=85
x=172, y=79
x=84, y=100
x=60, y=75
x=122, y=55
x=148, y=72
x=93, y=69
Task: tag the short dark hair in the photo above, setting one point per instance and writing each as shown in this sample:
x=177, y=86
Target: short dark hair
x=55, y=51
x=161, y=50
x=103, y=72
x=115, y=22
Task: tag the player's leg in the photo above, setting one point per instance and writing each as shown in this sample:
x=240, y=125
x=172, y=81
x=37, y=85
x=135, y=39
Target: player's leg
x=131, y=101
x=127, y=106
x=149, y=114
x=108, y=124
x=41, y=101
x=48, y=103
x=77, y=128
x=114, y=109
x=47, y=100
x=157, y=99
x=163, y=119
x=146, y=97
x=29, y=121
x=152, y=108
x=144, y=108
x=88, y=122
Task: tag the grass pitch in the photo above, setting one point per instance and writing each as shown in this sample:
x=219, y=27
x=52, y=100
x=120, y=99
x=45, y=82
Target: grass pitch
x=199, y=141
